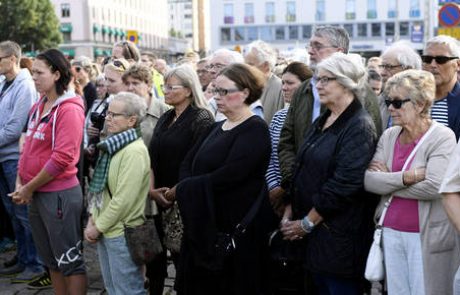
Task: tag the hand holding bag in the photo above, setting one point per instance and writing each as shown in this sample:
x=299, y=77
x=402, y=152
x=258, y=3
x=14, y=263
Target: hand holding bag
x=375, y=266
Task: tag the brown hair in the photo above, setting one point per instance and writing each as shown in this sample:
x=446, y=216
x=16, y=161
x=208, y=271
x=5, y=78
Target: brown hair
x=246, y=76
x=301, y=70
x=138, y=72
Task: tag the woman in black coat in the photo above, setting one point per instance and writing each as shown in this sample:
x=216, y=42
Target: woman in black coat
x=222, y=178
x=330, y=209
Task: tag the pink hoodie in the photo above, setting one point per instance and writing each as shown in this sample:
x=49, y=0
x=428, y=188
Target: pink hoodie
x=53, y=142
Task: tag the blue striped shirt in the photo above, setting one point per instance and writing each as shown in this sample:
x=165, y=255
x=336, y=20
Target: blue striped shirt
x=273, y=176
x=440, y=112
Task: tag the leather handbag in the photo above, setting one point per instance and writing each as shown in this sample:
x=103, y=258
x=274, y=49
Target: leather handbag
x=143, y=242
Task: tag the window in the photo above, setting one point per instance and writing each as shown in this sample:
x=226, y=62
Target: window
x=252, y=33
x=270, y=12
x=188, y=6
x=280, y=33
x=65, y=10
x=349, y=28
x=404, y=29
x=187, y=16
x=228, y=13
x=266, y=33
x=306, y=32
x=392, y=9
x=414, y=8
x=67, y=37
x=389, y=29
x=239, y=34
x=362, y=30
x=320, y=10
x=350, y=9
x=371, y=9
x=376, y=29
x=290, y=11
x=225, y=35
x=248, y=13
x=293, y=32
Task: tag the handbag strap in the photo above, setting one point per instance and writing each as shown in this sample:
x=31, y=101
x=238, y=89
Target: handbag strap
x=241, y=227
x=406, y=163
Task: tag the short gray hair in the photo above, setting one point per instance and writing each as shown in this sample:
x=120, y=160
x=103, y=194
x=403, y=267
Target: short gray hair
x=11, y=48
x=450, y=42
x=420, y=85
x=406, y=56
x=230, y=55
x=349, y=74
x=134, y=105
x=337, y=36
x=264, y=53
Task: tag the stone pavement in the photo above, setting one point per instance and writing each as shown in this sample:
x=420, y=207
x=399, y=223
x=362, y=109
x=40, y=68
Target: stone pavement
x=95, y=284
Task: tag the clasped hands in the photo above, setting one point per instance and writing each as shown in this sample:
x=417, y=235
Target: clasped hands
x=164, y=196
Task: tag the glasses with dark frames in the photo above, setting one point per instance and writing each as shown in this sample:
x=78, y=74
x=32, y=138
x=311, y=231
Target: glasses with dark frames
x=389, y=67
x=324, y=80
x=396, y=103
x=440, y=59
x=223, y=91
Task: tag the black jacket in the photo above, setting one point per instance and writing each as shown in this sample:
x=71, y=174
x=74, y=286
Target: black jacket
x=329, y=176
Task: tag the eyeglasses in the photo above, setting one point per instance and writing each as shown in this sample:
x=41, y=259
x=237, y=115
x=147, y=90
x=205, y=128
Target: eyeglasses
x=215, y=66
x=440, y=59
x=396, y=103
x=223, y=91
x=2, y=57
x=318, y=47
x=112, y=115
x=324, y=80
x=171, y=87
x=388, y=67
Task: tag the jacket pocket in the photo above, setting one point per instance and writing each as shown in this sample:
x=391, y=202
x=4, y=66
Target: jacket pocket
x=441, y=236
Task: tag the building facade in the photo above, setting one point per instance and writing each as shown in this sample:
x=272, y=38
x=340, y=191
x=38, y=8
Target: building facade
x=288, y=24
x=91, y=27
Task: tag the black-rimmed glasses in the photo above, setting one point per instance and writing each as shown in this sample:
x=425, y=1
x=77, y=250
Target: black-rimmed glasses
x=324, y=80
x=223, y=91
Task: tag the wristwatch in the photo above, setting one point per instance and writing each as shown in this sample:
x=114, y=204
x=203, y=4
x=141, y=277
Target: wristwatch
x=307, y=225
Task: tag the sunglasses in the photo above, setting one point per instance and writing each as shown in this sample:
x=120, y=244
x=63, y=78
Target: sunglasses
x=396, y=103
x=119, y=65
x=440, y=59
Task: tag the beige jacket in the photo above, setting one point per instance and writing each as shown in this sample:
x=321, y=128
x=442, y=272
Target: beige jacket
x=440, y=250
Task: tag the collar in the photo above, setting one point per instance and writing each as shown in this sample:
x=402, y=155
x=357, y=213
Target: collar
x=354, y=107
x=154, y=108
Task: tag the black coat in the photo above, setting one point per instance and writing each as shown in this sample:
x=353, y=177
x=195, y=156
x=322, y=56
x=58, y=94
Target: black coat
x=329, y=177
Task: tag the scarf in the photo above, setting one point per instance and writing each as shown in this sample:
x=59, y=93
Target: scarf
x=108, y=148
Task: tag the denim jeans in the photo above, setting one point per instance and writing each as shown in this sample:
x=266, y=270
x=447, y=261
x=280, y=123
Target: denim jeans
x=403, y=262
x=121, y=276
x=27, y=253
x=457, y=282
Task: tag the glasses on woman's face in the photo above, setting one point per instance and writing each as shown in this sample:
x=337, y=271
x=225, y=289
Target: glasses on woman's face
x=396, y=103
x=118, y=64
x=171, y=87
x=223, y=91
x=324, y=80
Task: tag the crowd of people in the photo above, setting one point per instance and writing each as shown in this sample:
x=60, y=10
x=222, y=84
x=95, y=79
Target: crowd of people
x=225, y=152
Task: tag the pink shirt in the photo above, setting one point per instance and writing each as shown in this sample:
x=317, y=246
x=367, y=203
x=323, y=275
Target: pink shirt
x=402, y=214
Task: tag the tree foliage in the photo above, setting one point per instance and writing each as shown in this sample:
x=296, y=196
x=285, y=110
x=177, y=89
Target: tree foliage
x=31, y=23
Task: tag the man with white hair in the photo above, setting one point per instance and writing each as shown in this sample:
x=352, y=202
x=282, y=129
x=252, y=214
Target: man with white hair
x=397, y=58
x=441, y=58
x=263, y=57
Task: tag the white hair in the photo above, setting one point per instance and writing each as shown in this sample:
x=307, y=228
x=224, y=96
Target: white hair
x=264, y=52
x=229, y=55
x=450, y=42
x=406, y=56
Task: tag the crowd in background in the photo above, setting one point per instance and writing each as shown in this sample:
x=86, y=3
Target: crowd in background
x=226, y=152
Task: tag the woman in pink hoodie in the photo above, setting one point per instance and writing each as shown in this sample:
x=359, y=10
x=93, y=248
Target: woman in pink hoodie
x=47, y=177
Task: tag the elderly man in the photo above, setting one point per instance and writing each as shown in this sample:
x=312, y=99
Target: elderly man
x=305, y=106
x=396, y=58
x=17, y=93
x=441, y=58
x=263, y=56
x=203, y=73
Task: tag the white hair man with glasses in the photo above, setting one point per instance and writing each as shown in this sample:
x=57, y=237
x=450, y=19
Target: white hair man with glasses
x=305, y=106
x=397, y=58
x=441, y=58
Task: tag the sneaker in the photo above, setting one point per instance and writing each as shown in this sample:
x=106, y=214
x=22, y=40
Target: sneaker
x=26, y=276
x=12, y=270
x=43, y=282
x=9, y=263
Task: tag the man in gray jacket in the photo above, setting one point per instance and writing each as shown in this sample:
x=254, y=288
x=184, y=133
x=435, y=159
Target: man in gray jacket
x=17, y=93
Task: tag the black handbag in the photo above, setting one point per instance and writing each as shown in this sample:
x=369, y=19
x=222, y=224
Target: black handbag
x=143, y=242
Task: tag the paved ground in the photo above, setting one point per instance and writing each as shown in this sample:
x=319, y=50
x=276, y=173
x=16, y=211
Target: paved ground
x=95, y=284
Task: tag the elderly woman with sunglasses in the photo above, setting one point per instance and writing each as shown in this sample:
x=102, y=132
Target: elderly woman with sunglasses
x=407, y=169
x=329, y=210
